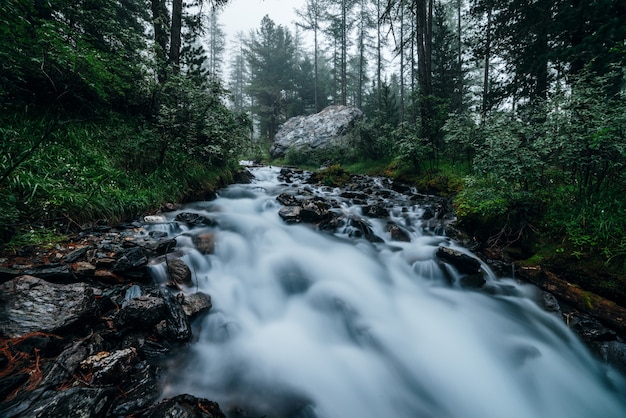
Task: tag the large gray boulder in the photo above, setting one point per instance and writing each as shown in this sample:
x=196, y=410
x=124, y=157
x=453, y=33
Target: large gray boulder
x=307, y=133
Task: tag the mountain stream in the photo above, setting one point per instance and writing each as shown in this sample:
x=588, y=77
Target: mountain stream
x=316, y=323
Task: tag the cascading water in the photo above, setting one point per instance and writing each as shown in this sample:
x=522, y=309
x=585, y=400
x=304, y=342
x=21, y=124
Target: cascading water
x=315, y=324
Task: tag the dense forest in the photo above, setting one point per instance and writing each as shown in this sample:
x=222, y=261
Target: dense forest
x=518, y=109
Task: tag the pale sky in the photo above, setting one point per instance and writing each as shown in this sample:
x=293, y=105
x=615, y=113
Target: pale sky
x=244, y=15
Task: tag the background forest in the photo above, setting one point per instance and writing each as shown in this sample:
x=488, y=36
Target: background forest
x=109, y=108
x=516, y=108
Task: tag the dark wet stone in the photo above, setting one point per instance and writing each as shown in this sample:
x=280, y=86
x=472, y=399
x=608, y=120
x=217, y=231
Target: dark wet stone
x=107, y=367
x=47, y=345
x=55, y=272
x=397, y=233
x=196, y=303
x=141, y=312
x=184, y=406
x=204, y=242
x=141, y=389
x=360, y=228
x=613, y=353
x=428, y=214
x=160, y=246
x=178, y=271
x=462, y=262
x=290, y=214
x=590, y=329
x=376, y=211
x=73, y=402
x=314, y=210
x=158, y=234
x=400, y=187
x=76, y=255
x=473, y=281
x=287, y=199
x=66, y=364
x=194, y=219
x=178, y=327
x=30, y=304
x=10, y=383
x=131, y=258
x=549, y=303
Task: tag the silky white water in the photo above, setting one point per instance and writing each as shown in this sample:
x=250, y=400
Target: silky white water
x=314, y=324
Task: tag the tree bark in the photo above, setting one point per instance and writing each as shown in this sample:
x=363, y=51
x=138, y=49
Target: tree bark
x=176, y=35
x=160, y=23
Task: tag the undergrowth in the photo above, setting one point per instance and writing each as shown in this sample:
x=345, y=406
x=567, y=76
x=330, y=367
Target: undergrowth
x=84, y=171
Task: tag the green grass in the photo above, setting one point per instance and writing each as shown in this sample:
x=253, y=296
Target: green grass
x=104, y=169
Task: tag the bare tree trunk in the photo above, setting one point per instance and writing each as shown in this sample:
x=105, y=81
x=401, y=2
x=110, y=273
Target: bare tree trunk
x=485, y=103
x=459, y=52
x=402, y=49
x=176, y=35
x=160, y=23
x=379, y=55
x=344, y=53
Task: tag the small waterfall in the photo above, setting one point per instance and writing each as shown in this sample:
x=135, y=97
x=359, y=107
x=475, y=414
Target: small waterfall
x=311, y=323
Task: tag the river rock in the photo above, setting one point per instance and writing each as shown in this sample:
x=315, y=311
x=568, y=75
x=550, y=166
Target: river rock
x=73, y=402
x=194, y=219
x=397, y=233
x=196, y=303
x=30, y=304
x=377, y=210
x=204, y=242
x=177, y=326
x=290, y=214
x=287, y=199
x=185, y=406
x=106, y=367
x=132, y=263
x=305, y=133
x=140, y=391
x=141, y=312
x=66, y=364
x=464, y=263
x=179, y=271
x=314, y=210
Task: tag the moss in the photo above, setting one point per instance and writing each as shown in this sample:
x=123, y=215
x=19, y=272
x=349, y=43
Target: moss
x=333, y=176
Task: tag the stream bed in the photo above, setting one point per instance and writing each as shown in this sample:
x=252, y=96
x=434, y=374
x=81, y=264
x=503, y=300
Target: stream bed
x=333, y=303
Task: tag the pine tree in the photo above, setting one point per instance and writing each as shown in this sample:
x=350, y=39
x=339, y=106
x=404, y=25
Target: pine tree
x=270, y=57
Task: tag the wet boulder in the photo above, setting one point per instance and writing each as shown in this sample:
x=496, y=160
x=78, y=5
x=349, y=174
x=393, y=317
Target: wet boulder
x=204, y=242
x=314, y=210
x=287, y=199
x=179, y=271
x=324, y=129
x=132, y=263
x=464, y=263
x=73, y=402
x=290, y=214
x=184, y=406
x=107, y=367
x=377, y=210
x=141, y=312
x=196, y=303
x=176, y=326
x=30, y=304
x=397, y=233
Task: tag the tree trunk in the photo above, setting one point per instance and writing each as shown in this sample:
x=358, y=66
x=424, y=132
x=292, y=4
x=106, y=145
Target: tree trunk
x=485, y=103
x=160, y=23
x=344, y=53
x=176, y=35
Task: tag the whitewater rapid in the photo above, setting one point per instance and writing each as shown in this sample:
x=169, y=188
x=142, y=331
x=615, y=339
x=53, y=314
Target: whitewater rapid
x=307, y=323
